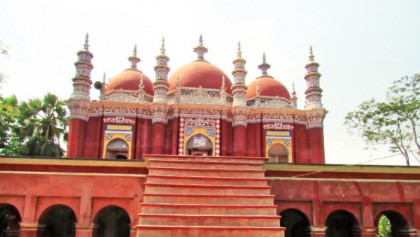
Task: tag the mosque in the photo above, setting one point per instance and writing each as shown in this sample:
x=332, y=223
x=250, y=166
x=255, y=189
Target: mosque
x=195, y=153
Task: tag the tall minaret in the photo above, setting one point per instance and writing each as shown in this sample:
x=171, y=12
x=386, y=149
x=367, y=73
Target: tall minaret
x=161, y=84
x=160, y=101
x=239, y=88
x=313, y=91
x=315, y=113
x=239, y=110
x=293, y=98
x=79, y=102
x=82, y=82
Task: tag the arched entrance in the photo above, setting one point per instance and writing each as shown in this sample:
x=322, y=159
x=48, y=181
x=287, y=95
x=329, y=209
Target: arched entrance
x=278, y=153
x=9, y=220
x=342, y=224
x=57, y=220
x=117, y=149
x=399, y=225
x=112, y=221
x=296, y=223
x=199, y=145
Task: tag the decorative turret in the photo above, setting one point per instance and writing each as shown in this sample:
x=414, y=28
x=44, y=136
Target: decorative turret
x=200, y=50
x=82, y=82
x=293, y=98
x=161, y=84
x=239, y=73
x=134, y=59
x=264, y=66
x=313, y=91
x=102, y=87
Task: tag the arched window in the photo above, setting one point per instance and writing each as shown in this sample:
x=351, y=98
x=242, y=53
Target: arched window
x=296, y=223
x=9, y=220
x=342, y=223
x=199, y=145
x=278, y=153
x=112, y=221
x=398, y=224
x=57, y=220
x=117, y=149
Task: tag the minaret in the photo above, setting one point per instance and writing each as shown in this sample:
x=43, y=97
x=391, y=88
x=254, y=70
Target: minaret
x=134, y=59
x=82, y=82
x=200, y=50
x=239, y=110
x=79, y=102
x=160, y=101
x=315, y=113
x=264, y=66
x=239, y=88
x=313, y=91
x=161, y=84
x=293, y=98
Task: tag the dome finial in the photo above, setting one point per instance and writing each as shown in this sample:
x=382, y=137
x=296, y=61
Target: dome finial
x=311, y=55
x=264, y=66
x=162, y=48
x=104, y=78
x=134, y=59
x=200, y=49
x=141, y=84
x=86, y=45
x=239, y=53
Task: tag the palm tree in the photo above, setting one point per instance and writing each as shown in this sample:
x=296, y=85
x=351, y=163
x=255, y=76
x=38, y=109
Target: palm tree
x=44, y=124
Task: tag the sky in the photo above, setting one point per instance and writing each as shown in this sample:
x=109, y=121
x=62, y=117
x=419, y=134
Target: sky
x=362, y=46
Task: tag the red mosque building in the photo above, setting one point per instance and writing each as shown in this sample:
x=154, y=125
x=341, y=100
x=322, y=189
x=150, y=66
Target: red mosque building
x=198, y=154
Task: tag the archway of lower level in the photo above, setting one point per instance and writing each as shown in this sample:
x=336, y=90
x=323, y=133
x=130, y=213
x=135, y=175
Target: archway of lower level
x=112, y=221
x=398, y=224
x=9, y=220
x=57, y=220
x=199, y=145
x=296, y=223
x=342, y=224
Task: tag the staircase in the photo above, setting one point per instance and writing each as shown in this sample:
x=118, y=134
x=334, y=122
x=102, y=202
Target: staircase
x=207, y=197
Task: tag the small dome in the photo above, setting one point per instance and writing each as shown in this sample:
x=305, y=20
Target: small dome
x=200, y=73
x=130, y=80
x=268, y=87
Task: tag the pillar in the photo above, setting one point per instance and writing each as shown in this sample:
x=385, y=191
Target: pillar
x=29, y=229
x=240, y=140
x=84, y=230
x=370, y=231
x=158, y=141
x=317, y=231
x=76, y=138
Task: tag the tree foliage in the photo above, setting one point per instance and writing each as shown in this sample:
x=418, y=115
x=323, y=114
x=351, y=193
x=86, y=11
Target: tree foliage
x=394, y=122
x=384, y=227
x=35, y=127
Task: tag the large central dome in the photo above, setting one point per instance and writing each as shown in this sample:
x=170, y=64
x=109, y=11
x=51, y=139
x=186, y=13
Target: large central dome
x=200, y=73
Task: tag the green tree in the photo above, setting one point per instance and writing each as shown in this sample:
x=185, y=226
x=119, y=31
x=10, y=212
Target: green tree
x=384, y=227
x=10, y=140
x=43, y=124
x=394, y=122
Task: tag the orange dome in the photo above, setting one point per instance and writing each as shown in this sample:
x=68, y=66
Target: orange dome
x=130, y=80
x=200, y=73
x=268, y=87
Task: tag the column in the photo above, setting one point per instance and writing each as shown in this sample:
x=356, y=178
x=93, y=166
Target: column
x=30, y=229
x=317, y=231
x=85, y=230
x=368, y=231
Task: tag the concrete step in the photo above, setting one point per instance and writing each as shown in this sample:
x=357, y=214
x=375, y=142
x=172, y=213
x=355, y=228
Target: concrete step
x=206, y=189
x=205, y=172
x=232, y=159
x=209, y=199
x=213, y=164
x=209, y=231
x=170, y=179
x=205, y=209
x=208, y=220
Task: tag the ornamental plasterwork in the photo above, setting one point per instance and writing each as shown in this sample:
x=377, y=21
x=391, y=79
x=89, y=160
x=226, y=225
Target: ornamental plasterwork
x=128, y=96
x=79, y=109
x=199, y=96
x=315, y=118
x=240, y=117
x=120, y=111
x=119, y=120
x=159, y=114
x=278, y=126
x=269, y=103
x=200, y=122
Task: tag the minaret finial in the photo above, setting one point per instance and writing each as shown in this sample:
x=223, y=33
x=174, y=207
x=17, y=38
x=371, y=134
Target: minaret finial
x=311, y=55
x=264, y=66
x=162, y=48
x=104, y=78
x=86, y=45
x=200, y=49
x=134, y=59
x=239, y=53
